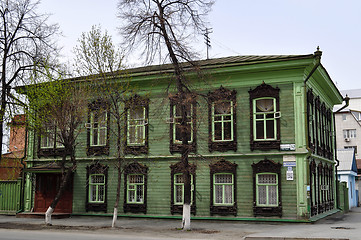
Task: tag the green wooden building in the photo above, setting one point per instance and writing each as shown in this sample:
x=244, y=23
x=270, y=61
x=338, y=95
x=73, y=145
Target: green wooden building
x=261, y=137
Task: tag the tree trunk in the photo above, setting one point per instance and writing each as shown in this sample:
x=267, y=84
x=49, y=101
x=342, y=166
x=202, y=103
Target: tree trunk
x=115, y=213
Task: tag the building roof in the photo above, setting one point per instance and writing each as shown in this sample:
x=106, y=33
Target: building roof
x=351, y=93
x=347, y=160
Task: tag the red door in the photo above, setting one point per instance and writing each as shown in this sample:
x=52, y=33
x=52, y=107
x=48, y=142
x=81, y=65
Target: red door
x=47, y=185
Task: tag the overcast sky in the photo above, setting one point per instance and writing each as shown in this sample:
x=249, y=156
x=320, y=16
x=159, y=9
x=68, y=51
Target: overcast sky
x=246, y=27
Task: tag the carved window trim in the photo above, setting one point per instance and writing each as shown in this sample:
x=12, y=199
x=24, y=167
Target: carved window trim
x=264, y=91
x=175, y=147
x=96, y=168
x=222, y=94
x=135, y=168
x=311, y=120
x=95, y=106
x=178, y=169
x=267, y=166
x=220, y=167
x=313, y=188
x=137, y=101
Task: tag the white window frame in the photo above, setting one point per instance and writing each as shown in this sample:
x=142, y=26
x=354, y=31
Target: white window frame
x=222, y=121
x=176, y=123
x=97, y=189
x=101, y=126
x=132, y=187
x=138, y=124
x=223, y=190
x=267, y=190
x=48, y=138
x=175, y=184
x=275, y=115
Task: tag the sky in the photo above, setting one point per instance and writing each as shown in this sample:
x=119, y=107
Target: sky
x=244, y=27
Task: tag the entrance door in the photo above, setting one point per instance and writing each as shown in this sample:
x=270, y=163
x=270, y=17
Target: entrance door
x=47, y=185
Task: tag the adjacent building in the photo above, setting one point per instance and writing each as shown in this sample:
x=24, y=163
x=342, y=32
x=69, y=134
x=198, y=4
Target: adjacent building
x=260, y=136
x=347, y=172
x=348, y=129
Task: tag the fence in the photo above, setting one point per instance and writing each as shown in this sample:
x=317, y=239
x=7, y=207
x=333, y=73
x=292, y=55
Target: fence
x=10, y=195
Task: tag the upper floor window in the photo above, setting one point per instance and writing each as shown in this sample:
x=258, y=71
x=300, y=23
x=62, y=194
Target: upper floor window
x=47, y=139
x=349, y=133
x=137, y=125
x=177, y=129
x=50, y=141
x=222, y=120
x=98, y=128
x=265, y=118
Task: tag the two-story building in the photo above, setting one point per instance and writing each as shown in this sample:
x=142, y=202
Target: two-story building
x=260, y=135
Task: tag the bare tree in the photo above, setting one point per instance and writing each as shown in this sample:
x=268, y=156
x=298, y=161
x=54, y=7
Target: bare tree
x=96, y=54
x=26, y=42
x=56, y=110
x=165, y=29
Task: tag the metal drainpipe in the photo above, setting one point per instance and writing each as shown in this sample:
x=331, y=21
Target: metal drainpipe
x=347, y=102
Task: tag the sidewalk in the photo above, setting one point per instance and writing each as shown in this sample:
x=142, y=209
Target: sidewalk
x=346, y=226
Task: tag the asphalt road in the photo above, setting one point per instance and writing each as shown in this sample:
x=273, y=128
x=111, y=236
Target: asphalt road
x=9, y=234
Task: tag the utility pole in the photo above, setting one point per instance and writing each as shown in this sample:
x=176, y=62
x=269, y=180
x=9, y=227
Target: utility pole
x=207, y=40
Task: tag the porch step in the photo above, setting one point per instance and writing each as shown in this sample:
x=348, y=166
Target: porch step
x=42, y=215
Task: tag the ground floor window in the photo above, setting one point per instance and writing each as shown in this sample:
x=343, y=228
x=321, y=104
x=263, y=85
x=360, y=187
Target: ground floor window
x=177, y=188
x=223, y=188
x=322, y=187
x=267, y=188
x=135, y=188
x=97, y=188
x=97, y=175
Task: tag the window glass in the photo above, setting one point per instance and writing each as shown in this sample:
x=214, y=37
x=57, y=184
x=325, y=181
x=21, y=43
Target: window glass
x=177, y=128
x=135, y=188
x=97, y=188
x=222, y=120
x=264, y=119
x=136, y=126
x=267, y=189
x=98, y=131
x=349, y=133
x=223, y=189
x=179, y=189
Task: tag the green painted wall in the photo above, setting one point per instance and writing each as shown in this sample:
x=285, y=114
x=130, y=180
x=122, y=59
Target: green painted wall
x=288, y=76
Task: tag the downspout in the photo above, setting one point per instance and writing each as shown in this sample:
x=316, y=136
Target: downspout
x=347, y=102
